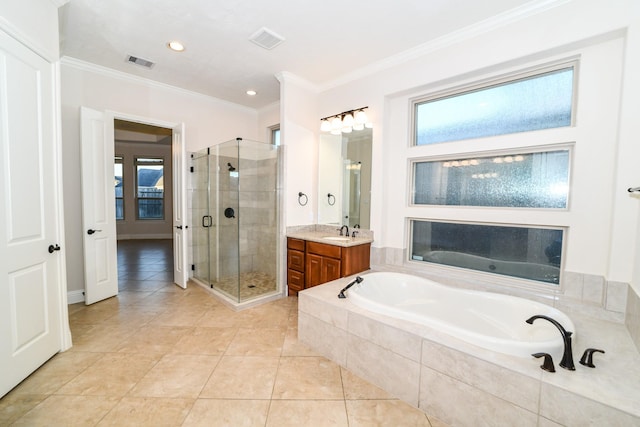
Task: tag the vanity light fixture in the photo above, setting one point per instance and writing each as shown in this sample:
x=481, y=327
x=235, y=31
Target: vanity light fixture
x=346, y=122
x=176, y=46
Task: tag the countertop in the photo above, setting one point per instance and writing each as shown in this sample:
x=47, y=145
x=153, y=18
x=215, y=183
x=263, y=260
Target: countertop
x=328, y=235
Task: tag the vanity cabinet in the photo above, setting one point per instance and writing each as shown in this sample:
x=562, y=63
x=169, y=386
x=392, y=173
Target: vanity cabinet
x=295, y=265
x=311, y=263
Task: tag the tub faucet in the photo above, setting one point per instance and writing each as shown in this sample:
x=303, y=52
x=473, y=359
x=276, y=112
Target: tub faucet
x=342, y=228
x=358, y=280
x=567, y=356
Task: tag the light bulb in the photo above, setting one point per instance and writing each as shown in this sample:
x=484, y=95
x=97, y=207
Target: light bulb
x=336, y=123
x=325, y=126
x=347, y=129
x=368, y=125
x=347, y=120
x=358, y=126
x=361, y=117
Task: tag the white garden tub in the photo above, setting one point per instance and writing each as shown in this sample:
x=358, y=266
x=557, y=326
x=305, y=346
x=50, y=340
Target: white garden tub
x=491, y=321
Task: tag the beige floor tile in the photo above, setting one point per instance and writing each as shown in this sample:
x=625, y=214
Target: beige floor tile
x=93, y=316
x=176, y=375
x=436, y=422
x=222, y=317
x=369, y=413
x=316, y=413
x=103, y=338
x=183, y=316
x=68, y=411
x=308, y=378
x=242, y=377
x=293, y=347
x=257, y=342
x=154, y=339
x=127, y=298
x=142, y=411
x=225, y=413
x=14, y=405
x=58, y=371
x=209, y=341
x=356, y=388
x=113, y=375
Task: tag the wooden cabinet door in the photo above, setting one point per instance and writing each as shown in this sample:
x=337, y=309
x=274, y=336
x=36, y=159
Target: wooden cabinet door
x=313, y=270
x=330, y=269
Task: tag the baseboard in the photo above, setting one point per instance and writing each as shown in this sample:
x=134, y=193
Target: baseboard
x=74, y=297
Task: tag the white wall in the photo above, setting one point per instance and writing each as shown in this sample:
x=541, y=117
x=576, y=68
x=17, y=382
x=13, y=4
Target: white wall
x=299, y=132
x=34, y=22
x=208, y=121
x=602, y=216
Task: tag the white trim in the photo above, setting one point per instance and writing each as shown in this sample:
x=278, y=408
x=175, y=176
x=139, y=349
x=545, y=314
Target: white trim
x=509, y=17
x=109, y=72
x=74, y=297
x=29, y=42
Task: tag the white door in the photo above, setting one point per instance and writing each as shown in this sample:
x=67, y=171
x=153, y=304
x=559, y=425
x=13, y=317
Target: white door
x=98, y=206
x=30, y=306
x=180, y=225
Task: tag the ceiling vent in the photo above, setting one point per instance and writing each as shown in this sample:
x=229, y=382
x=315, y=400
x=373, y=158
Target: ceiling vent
x=139, y=61
x=266, y=38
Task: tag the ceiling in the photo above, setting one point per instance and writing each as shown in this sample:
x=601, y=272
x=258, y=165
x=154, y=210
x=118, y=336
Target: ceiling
x=324, y=40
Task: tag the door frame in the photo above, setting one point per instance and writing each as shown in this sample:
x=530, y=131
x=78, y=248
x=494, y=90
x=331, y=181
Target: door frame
x=114, y=115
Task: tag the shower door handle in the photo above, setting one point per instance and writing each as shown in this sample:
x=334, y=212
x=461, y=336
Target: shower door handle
x=207, y=221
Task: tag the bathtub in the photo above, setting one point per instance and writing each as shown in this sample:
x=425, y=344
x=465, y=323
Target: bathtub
x=491, y=321
x=540, y=272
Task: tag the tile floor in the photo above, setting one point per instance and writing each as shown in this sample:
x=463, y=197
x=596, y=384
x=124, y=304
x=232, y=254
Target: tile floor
x=159, y=355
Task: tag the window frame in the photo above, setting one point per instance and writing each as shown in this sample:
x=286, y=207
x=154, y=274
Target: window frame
x=119, y=159
x=491, y=278
x=136, y=188
x=491, y=82
x=568, y=146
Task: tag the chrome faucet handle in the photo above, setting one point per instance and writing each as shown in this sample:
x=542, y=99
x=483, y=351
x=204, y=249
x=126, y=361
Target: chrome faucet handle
x=587, y=357
x=547, y=365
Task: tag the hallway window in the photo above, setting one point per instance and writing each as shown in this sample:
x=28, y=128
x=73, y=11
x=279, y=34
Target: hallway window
x=119, y=184
x=527, y=102
x=150, y=188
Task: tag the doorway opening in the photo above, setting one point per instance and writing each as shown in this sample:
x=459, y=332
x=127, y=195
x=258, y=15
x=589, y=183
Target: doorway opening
x=144, y=205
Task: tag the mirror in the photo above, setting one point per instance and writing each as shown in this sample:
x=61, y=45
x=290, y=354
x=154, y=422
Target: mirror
x=344, y=181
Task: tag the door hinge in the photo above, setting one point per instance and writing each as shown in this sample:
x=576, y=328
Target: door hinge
x=191, y=169
x=193, y=267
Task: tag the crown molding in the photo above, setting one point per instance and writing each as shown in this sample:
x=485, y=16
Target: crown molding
x=287, y=77
x=115, y=74
x=514, y=15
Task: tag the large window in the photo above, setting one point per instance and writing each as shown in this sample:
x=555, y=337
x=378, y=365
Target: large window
x=513, y=179
x=150, y=188
x=523, y=252
x=119, y=184
x=526, y=103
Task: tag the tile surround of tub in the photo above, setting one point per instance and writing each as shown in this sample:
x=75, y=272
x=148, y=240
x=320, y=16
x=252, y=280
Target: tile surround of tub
x=632, y=319
x=452, y=373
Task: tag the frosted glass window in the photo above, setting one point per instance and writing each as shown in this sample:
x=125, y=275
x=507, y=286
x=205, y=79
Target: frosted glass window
x=523, y=180
x=527, y=253
x=543, y=101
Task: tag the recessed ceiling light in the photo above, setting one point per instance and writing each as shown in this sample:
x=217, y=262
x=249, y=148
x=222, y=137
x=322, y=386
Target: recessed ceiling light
x=175, y=46
x=252, y=93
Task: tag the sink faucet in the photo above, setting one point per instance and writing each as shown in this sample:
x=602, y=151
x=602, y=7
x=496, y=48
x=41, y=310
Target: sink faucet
x=567, y=357
x=342, y=228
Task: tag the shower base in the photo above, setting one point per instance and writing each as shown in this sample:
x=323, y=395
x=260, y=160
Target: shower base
x=255, y=288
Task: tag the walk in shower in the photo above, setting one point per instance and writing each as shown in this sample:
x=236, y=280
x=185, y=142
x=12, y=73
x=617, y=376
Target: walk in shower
x=235, y=202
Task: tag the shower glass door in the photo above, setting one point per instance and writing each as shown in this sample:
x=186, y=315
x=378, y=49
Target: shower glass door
x=235, y=218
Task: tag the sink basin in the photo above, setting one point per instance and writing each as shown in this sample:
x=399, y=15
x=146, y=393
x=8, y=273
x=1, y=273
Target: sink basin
x=337, y=238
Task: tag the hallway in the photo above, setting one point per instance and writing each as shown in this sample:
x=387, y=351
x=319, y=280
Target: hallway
x=160, y=355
